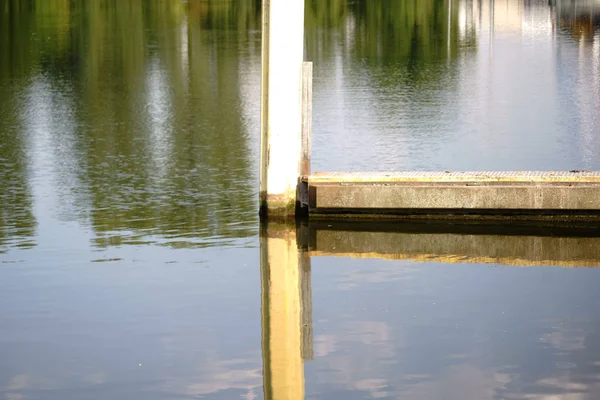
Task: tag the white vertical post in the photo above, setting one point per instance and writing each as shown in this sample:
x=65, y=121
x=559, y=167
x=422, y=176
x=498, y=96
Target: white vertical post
x=281, y=106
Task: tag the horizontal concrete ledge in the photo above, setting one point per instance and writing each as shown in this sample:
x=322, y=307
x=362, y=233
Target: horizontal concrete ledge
x=513, y=193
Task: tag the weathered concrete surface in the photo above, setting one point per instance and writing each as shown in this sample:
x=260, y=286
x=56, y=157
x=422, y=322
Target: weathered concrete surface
x=466, y=192
x=459, y=248
x=278, y=206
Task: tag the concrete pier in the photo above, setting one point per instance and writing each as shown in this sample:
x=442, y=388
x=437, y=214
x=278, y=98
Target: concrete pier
x=281, y=106
x=288, y=186
x=455, y=193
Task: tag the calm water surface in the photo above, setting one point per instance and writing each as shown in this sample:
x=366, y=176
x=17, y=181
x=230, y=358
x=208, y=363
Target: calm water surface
x=132, y=264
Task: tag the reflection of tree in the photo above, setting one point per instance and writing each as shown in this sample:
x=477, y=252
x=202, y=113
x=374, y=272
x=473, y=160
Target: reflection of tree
x=322, y=18
x=16, y=27
x=158, y=135
x=403, y=30
x=580, y=19
x=230, y=17
x=325, y=14
x=161, y=146
x=167, y=155
x=17, y=223
x=387, y=30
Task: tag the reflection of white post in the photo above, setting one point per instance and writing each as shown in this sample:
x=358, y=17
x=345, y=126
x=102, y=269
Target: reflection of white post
x=281, y=105
x=286, y=308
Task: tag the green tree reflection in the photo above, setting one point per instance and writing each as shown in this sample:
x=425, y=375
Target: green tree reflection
x=158, y=100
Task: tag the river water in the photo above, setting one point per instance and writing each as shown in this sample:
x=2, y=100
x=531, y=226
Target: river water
x=132, y=263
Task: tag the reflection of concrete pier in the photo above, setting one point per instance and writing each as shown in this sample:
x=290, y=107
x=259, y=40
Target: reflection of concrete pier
x=285, y=269
x=286, y=313
x=550, y=246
